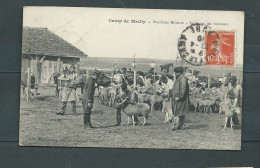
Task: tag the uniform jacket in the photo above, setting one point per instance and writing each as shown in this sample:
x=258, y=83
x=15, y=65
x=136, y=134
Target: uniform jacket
x=88, y=95
x=181, y=90
x=68, y=87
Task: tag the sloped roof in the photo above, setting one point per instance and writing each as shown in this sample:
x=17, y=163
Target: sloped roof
x=42, y=41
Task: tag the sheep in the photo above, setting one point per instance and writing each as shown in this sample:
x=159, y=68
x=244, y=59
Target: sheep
x=167, y=108
x=144, y=98
x=229, y=110
x=138, y=110
x=104, y=95
x=156, y=99
x=112, y=96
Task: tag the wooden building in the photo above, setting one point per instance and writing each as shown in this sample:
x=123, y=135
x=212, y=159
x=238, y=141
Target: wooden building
x=46, y=53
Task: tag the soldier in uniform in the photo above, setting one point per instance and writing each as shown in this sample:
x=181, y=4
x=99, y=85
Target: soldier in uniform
x=87, y=97
x=68, y=88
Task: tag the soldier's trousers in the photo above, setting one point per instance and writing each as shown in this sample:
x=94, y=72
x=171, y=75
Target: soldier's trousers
x=64, y=106
x=87, y=112
x=118, y=116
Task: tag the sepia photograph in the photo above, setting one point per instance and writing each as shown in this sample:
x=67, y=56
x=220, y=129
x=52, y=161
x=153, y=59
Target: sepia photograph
x=131, y=78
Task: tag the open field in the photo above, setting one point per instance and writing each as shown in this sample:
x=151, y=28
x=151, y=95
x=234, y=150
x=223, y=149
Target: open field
x=40, y=126
x=144, y=65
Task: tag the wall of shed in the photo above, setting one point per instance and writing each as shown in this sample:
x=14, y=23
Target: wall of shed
x=45, y=69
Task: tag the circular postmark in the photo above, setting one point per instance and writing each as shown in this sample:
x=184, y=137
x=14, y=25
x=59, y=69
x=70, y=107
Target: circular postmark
x=191, y=44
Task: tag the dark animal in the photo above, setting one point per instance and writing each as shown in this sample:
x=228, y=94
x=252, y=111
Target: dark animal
x=166, y=67
x=104, y=80
x=130, y=80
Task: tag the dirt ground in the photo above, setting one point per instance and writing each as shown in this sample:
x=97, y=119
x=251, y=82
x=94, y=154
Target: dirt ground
x=40, y=126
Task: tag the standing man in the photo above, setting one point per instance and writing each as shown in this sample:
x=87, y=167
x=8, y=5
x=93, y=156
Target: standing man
x=68, y=90
x=124, y=99
x=180, y=98
x=235, y=95
x=87, y=97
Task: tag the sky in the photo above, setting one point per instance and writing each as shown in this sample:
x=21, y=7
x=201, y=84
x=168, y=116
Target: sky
x=95, y=32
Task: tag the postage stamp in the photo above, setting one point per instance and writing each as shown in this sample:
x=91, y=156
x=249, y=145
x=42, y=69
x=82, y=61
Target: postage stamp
x=220, y=50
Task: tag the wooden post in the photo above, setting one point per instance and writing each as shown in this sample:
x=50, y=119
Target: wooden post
x=134, y=78
x=134, y=72
x=209, y=80
x=36, y=71
x=87, y=74
x=154, y=80
x=58, y=64
x=112, y=73
x=28, y=84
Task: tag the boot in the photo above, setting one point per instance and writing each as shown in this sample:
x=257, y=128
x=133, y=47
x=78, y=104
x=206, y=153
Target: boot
x=118, y=117
x=73, y=103
x=63, y=109
x=87, y=120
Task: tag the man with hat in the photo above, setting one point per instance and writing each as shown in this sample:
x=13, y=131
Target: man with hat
x=235, y=95
x=87, y=97
x=68, y=86
x=180, y=98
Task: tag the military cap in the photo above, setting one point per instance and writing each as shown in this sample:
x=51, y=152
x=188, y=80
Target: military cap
x=179, y=69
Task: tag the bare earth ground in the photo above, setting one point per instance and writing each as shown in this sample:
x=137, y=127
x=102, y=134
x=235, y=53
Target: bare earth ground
x=40, y=126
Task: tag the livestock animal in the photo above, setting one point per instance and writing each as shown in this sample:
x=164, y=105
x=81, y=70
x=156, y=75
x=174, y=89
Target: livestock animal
x=104, y=80
x=144, y=98
x=130, y=79
x=136, y=109
x=229, y=110
x=113, y=92
x=166, y=67
x=203, y=103
x=156, y=99
x=104, y=95
x=167, y=109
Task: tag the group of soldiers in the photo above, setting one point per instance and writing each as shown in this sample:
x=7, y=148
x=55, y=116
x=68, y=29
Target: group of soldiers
x=66, y=85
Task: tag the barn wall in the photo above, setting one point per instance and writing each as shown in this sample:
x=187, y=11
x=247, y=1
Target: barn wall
x=47, y=67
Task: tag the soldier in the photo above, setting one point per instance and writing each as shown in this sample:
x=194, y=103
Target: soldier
x=87, y=97
x=180, y=98
x=68, y=88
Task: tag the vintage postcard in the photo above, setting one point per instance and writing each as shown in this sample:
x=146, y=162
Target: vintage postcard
x=131, y=78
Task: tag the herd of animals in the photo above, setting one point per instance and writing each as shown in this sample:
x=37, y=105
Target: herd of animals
x=157, y=96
